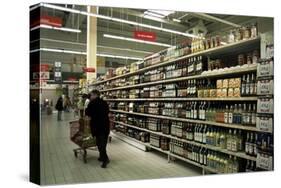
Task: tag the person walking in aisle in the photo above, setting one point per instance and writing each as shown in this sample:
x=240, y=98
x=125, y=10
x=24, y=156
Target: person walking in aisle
x=98, y=111
x=59, y=107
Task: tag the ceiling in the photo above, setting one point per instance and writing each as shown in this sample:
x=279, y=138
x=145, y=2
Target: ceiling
x=77, y=41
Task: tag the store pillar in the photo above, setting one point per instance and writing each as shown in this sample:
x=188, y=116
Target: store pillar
x=91, y=42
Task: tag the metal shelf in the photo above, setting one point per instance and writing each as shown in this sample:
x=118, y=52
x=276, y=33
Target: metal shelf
x=221, y=49
x=238, y=70
x=186, y=99
x=234, y=126
x=237, y=154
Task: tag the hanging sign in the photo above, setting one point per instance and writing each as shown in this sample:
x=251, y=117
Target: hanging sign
x=57, y=72
x=145, y=35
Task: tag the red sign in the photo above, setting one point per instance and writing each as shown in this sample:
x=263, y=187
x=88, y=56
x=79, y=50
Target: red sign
x=145, y=35
x=89, y=69
x=48, y=20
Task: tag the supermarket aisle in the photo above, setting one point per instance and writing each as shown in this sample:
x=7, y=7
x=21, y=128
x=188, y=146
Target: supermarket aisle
x=59, y=166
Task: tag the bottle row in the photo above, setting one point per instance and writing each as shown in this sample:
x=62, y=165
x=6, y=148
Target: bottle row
x=227, y=112
x=234, y=140
x=246, y=85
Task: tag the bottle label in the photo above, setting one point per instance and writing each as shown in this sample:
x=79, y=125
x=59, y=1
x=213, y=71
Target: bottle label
x=203, y=114
x=243, y=89
x=228, y=144
x=255, y=149
x=230, y=117
x=200, y=114
x=251, y=149
x=204, y=138
x=225, y=117
x=234, y=146
x=195, y=114
x=247, y=89
x=247, y=147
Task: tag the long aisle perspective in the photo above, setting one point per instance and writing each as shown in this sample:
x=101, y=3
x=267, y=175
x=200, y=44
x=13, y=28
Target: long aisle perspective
x=59, y=165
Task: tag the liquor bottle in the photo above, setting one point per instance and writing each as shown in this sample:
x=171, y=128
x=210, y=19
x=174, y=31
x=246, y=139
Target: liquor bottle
x=201, y=133
x=201, y=161
x=195, y=133
x=249, y=115
x=252, y=85
x=194, y=89
x=235, y=165
x=235, y=115
x=243, y=85
x=240, y=114
x=240, y=140
x=195, y=111
x=204, y=134
x=255, y=145
x=205, y=156
x=230, y=114
x=188, y=88
x=244, y=115
x=247, y=143
x=253, y=115
x=247, y=85
x=192, y=132
x=211, y=137
x=229, y=140
x=222, y=140
x=217, y=137
x=188, y=110
x=208, y=136
x=199, y=65
x=251, y=144
x=230, y=165
x=226, y=114
x=234, y=143
x=192, y=110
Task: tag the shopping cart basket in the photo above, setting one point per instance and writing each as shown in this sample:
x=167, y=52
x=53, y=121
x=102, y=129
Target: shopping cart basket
x=80, y=134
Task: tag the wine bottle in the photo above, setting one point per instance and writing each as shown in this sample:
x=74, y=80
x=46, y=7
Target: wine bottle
x=247, y=144
x=234, y=141
x=229, y=140
x=222, y=140
x=195, y=111
x=226, y=114
x=253, y=114
x=248, y=85
x=230, y=115
x=204, y=135
x=243, y=85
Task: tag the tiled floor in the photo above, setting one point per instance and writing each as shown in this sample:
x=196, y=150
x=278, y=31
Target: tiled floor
x=59, y=166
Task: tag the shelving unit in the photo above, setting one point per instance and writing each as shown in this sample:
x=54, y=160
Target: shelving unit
x=221, y=49
x=212, y=74
x=234, y=126
x=232, y=72
x=237, y=154
x=184, y=99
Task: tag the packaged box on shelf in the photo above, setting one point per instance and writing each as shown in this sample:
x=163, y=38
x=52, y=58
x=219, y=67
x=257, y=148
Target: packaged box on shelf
x=265, y=68
x=265, y=87
x=154, y=124
x=154, y=140
x=264, y=161
x=166, y=126
x=264, y=123
x=236, y=92
x=225, y=83
x=165, y=142
x=144, y=136
x=265, y=105
x=219, y=84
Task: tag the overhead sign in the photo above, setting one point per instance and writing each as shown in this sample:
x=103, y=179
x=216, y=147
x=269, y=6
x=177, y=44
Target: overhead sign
x=48, y=20
x=89, y=69
x=145, y=35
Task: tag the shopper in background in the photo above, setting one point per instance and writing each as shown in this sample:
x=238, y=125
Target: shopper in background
x=81, y=103
x=67, y=104
x=59, y=107
x=98, y=110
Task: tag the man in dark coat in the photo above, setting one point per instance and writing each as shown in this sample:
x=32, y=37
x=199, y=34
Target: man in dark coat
x=98, y=111
x=59, y=107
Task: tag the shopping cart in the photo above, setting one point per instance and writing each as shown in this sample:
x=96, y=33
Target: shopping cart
x=80, y=134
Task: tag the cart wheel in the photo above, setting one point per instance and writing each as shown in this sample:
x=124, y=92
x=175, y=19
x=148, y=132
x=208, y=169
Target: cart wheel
x=75, y=154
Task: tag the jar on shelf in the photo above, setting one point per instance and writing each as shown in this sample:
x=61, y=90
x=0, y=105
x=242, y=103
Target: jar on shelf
x=246, y=33
x=254, y=32
x=255, y=57
x=231, y=37
x=249, y=58
x=237, y=35
x=241, y=59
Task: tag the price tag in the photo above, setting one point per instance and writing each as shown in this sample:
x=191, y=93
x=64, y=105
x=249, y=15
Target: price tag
x=264, y=161
x=265, y=87
x=265, y=105
x=265, y=68
x=264, y=124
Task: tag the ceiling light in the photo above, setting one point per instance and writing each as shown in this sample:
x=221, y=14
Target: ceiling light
x=176, y=20
x=58, y=50
x=135, y=40
x=56, y=28
x=125, y=49
x=117, y=20
x=160, y=13
x=119, y=57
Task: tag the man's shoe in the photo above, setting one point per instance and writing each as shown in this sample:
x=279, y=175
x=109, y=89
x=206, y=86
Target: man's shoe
x=104, y=164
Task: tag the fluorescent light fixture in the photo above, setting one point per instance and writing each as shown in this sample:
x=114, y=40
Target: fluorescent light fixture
x=118, y=20
x=135, y=40
x=119, y=57
x=125, y=49
x=176, y=20
x=56, y=28
x=83, y=53
x=153, y=18
x=159, y=13
x=58, y=51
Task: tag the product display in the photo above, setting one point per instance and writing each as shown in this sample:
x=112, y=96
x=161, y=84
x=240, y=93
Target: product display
x=176, y=93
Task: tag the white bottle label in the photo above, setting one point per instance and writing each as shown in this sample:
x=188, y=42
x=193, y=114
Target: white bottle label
x=201, y=158
x=195, y=114
x=255, y=149
x=234, y=145
x=204, y=138
x=251, y=148
x=225, y=117
x=230, y=117
x=246, y=147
